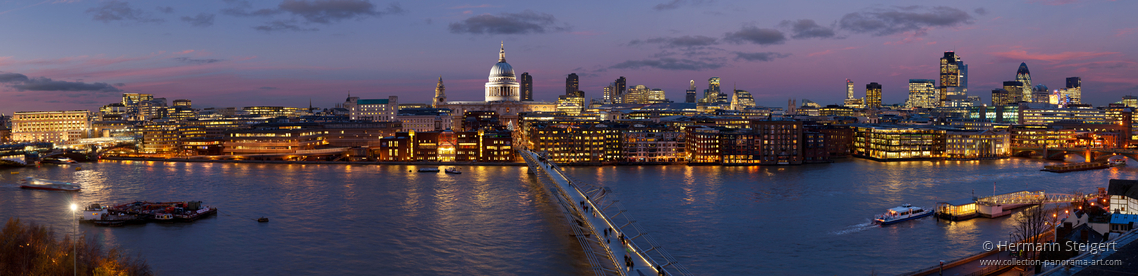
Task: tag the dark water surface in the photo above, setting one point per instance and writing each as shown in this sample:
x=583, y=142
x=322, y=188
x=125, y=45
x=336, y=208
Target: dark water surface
x=324, y=219
x=383, y=220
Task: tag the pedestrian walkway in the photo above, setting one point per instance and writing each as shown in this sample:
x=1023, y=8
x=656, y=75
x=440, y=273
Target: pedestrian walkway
x=595, y=210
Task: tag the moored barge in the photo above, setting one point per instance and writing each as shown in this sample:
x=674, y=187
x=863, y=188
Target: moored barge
x=145, y=211
x=1076, y=167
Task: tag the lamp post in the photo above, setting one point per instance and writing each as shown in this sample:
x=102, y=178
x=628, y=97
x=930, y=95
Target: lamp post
x=75, y=242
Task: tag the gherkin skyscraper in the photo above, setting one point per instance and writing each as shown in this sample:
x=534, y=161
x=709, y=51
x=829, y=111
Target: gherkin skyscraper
x=1024, y=76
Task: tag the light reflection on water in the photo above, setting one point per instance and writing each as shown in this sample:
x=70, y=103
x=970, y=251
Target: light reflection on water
x=814, y=219
x=325, y=219
x=333, y=219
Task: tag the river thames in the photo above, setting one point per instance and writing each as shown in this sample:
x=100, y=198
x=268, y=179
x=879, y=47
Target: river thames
x=371, y=219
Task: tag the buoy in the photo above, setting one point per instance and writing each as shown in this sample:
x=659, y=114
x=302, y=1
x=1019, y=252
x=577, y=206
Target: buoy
x=78, y=168
x=15, y=172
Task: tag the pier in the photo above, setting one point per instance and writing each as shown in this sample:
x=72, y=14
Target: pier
x=1000, y=205
x=606, y=255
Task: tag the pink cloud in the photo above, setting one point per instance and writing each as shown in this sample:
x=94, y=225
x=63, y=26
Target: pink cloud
x=826, y=52
x=1123, y=32
x=1097, y=64
x=830, y=51
x=1021, y=55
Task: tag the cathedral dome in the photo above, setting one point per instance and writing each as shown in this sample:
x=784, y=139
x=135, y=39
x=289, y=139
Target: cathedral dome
x=502, y=84
x=501, y=70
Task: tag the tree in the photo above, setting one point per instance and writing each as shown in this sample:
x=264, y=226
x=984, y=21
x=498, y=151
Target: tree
x=1030, y=229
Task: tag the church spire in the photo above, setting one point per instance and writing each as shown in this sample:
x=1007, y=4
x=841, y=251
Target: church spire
x=502, y=53
x=440, y=94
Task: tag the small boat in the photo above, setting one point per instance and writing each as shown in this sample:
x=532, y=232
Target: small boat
x=263, y=219
x=50, y=185
x=100, y=215
x=901, y=213
x=453, y=170
x=164, y=217
x=428, y=170
x=1120, y=162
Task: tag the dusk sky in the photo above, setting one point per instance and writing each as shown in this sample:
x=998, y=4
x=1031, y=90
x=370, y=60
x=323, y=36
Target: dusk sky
x=82, y=54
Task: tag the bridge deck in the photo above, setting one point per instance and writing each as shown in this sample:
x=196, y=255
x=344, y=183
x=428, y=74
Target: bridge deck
x=599, y=218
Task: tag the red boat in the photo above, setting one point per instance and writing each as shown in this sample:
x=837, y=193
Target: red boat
x=50, y=185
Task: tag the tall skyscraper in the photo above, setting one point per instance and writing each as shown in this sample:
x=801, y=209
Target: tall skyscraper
x=1074, y=90
x=527, y=87
x=440, y=94
x=610, y=94
x=951, y=78
x=621, y=87
x=923, y=94
x=872, y=95
x=711, y=95
x=849, y=89
x=852, y=102
x=572, y=84
x=690, y=93
x=1024, y=77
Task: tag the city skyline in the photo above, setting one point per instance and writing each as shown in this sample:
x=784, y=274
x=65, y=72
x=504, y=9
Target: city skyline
x=239, y=53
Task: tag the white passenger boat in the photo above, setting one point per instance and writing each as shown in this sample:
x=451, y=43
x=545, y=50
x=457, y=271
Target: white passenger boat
x=901, y=213
x=51, y=185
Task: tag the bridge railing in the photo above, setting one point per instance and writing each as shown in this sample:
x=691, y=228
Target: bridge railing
x=576, y=217
x=615, y=214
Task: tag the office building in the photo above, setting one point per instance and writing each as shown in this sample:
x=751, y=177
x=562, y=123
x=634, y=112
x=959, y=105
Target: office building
x=1015, y=92
x=923, y=94
x=742, y=100
x=425, y=119
x=274, y=139
x=1073, y=93
x=620, y=86
x=50, y=126
x=872, y=95
x=372, y=109
x=711, y=94
x=690, y=96
x=951, y=78
x=1040, y=94
x=1001, y=97
x=572, y=84
x=1024, y=77
x=527, y=87
x=893, y=142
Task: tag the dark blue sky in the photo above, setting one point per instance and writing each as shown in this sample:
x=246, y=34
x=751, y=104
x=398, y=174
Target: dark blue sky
x=81, y=54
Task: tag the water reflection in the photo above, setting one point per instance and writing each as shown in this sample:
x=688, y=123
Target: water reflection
x=822, y=211
x=325, y=219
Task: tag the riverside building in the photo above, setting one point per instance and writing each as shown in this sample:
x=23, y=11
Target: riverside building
x=50, y=126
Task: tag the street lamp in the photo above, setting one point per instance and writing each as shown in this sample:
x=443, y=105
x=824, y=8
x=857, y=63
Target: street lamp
x=75, y=242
